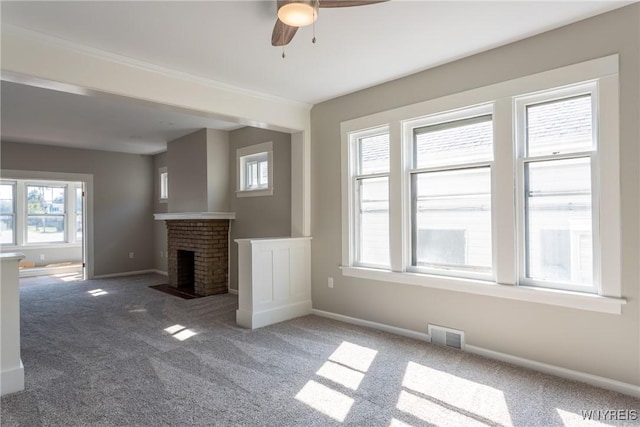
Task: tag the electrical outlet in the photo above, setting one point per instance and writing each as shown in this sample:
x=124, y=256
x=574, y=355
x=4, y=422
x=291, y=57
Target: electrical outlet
x=42, y=257
x=131, y=255
x=330, y=282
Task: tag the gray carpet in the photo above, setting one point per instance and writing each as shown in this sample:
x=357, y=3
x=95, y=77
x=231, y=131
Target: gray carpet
x=115, y=352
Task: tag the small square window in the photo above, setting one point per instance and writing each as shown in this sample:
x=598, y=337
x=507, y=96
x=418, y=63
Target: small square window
x=255, y=175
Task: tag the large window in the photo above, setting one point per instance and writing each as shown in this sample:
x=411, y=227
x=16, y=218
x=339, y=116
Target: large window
x=451, y=196
x=501, y=185
x=557, y=149
x=41, y=213
x=46, y=213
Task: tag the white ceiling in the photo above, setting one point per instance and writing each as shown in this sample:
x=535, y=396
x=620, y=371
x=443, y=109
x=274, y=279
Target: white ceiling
x=228, y=42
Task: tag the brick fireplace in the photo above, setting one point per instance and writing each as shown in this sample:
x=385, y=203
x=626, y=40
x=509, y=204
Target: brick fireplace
x=198, y=251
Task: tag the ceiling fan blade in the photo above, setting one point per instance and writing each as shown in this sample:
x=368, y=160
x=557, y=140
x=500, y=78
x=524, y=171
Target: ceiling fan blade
x=282, y=33
x=348, y=3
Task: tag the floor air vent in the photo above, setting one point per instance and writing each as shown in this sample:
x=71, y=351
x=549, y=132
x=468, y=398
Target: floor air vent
x=446, y=337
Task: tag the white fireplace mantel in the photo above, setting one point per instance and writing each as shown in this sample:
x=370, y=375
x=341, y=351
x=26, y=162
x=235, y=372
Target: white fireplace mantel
x=193, y=215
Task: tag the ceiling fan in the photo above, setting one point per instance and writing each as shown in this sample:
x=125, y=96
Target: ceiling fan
x=293, y=14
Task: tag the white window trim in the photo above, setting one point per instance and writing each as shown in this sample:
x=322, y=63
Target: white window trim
x=20, y=228
x=265, y=147
x=14, y=211
x=161, y=171
x=450, y=116
x=501, y=95
x=355, y=176
x=521, y=102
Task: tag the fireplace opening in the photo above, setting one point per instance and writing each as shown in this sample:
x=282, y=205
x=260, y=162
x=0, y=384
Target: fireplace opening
x=186, y=270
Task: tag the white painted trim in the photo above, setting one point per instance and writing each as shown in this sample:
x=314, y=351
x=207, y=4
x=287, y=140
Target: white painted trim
x=9, y=256
x=269, y=317
x=271, y=240
x=233, y=291
x=255, y=193
x=594, y=380
x=549, y=296
x=160, y=272
x=131, y=62
x=193, y=215
x=602, y=72
x=124, y=274
x=373, y=325
x=57, y=68
x=12, y=380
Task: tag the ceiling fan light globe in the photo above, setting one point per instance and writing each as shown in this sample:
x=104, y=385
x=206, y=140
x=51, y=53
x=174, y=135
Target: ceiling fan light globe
x=297, y=14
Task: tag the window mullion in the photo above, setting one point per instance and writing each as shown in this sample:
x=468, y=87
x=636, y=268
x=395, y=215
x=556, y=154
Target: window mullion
x=397, y=246
x=503, y=200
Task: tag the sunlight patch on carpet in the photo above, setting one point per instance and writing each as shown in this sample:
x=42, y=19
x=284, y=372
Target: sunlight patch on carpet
x=69, y=277
x=341, y=374
x=354, y=356
x=326, y=400
x=180, y=332
x=479, y=401
x=433, y=413
x=97, y=292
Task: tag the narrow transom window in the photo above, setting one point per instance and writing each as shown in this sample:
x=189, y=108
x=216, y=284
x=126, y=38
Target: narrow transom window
x=164, y=184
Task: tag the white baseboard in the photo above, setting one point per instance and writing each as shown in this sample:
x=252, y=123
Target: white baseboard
x=233, y=291
x=12, y=380
x=379, y=326
x=258, y=319
x=595, y=380
x=160, y=272
x=47, y=271
x=126, y=273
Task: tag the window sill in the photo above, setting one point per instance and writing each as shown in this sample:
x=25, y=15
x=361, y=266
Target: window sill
x=255, y=193
x=33, y=246
x=560, y=298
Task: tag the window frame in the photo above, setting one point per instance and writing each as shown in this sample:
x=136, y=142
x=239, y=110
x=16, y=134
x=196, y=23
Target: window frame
x=245, y=154
x=356, y=178
x=14, y=211
x=71, y=239
x=604, y=72
x=521, y=103
x=66, y=233
x=409, y=128
x=163, y=180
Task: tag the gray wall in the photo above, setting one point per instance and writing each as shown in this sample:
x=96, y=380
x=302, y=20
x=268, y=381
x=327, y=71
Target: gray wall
x=199, y=177
x=159, y=227
x=218, y=171
x=600, y=344
x=123, y=188
x=265, y=216
x=187, y=166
